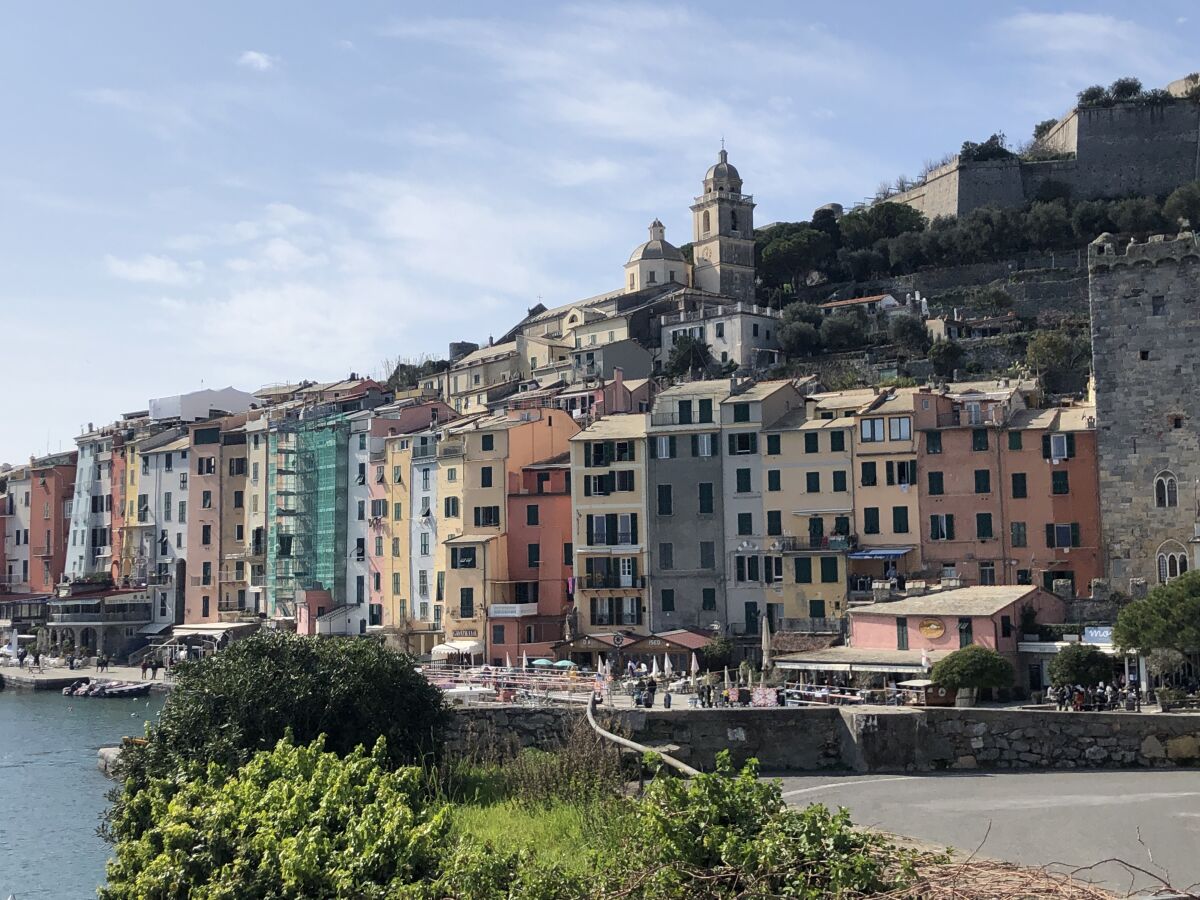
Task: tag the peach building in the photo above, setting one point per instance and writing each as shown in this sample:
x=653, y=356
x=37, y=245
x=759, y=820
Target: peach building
x=52, y=487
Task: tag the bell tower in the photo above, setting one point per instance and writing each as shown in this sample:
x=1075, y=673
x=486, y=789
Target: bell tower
x=723, y=234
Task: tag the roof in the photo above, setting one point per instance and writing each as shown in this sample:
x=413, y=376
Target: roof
x=723, y=170
x=180, y=443
x=631, y=384
x=1001, y=387
x=559, y=311
x=483, y=354
x=863, y=659
x=900, y=400
x=622, y=425
x=554, y=462
x=706, y=388
x=658, y=247
x=759, y=391
x=979, y=600
x=855, y=301
x=831, y=400
x=1069, y=418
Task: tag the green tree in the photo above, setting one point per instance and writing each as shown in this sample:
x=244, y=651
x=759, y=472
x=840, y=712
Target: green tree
x=247, y=697
x=973, y=667
x=295, y=821
x=995, y=147
x=1048, y=225
x=1127, y=88
x=716, y=654
x=1096, y=95
x=1092, y=218
x=1080, y=664
x=799, y=330
x=1167, y=618
x=907, y=252
x=408, y=373
x=842, y=331
x=1137, y=214
x=1060, y=358
x=862, y=228
x=1184, y=205
x=945, y=357
x=690, y=356
x=789, y=259
x=910, y=333
x=1043, y=128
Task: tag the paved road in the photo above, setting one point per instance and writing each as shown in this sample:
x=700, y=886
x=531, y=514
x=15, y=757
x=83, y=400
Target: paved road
x=1035, y=818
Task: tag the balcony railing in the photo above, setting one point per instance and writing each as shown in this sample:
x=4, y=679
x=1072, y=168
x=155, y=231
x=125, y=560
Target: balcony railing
x=425, y=451
x=676, y=418
x=511, y=610
x=100, y=616
x=600, y=582
x=796, y=544
x=43, y=551
x=449, y=449
x=621, y=538
x=158, y=579
x=813, y=626
x=633, y=618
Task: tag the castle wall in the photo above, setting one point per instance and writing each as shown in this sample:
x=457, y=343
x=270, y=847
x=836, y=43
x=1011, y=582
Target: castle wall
x=1145, y=311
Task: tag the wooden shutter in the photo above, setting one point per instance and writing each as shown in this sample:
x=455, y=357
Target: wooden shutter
x=891, y=472
x=1074, y=534
x=1049, y=534
x=1045, y=446
x=949, y=527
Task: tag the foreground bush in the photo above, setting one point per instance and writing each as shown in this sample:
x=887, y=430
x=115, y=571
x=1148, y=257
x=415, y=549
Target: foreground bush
x=293, y=822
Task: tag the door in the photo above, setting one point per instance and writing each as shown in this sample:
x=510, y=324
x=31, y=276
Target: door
x=751, y=617
x=626, y=571
x=816, y=531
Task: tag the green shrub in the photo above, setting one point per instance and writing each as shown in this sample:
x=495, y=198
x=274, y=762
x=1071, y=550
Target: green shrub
x=973, y=667
x=1080, y=664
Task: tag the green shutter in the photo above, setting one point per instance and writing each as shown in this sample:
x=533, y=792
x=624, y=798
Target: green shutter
x=1070, y=445
x=949, y=527
x=803, y=569
x=1074, y=534
x=1050, y=535
x=1045, y=446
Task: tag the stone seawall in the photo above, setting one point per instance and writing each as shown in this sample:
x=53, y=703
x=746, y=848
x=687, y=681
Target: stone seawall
x=863, y=739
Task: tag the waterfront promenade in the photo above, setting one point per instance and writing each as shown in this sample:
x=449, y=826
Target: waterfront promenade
x=50, y=678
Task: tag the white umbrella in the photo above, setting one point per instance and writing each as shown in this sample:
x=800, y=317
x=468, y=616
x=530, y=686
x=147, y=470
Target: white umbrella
x=507, y=661
x=654, y=673
x=668, y=669
x=925, y=663
x=750, y=678
x=727, y=678
x=524, y=660
x=695, y=664
x=766, y=643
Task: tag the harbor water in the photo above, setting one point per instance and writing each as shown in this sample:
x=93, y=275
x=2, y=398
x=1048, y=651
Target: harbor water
x=53, y=793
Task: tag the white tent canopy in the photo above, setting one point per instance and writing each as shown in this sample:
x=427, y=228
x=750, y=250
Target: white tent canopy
x=450, y=648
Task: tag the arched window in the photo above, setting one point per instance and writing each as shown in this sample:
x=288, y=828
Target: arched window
x=1172, y=561
x=1166, y=490
x=1162, y=568
x=706, y=225
x=1172, y=566
x=733, y=219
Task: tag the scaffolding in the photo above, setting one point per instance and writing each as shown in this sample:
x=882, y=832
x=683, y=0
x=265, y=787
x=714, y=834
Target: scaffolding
x=307, y=501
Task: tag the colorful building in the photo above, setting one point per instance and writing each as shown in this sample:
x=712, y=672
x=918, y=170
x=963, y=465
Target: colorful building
x=52, y=488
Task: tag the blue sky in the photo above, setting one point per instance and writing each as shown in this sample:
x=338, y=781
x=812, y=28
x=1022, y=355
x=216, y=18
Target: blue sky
x=232, y=193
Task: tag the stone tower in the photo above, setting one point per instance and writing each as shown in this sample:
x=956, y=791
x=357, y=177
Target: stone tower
x=1145, y=308
x=723, y=229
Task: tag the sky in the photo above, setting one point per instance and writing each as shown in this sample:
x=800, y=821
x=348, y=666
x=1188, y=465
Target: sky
x=212, y=194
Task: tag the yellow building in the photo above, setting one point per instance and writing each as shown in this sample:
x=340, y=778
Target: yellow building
x=482, y=376
x=608, y=498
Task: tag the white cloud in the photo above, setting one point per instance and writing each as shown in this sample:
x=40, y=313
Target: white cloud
x=151, y=269
x=257, y=60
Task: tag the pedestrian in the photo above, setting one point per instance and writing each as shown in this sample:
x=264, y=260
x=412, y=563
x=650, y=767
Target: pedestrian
x=667, y=697
x=37, y=657
x=154, y=669
x=651, y=690
x=145, y=666
x=21, y=654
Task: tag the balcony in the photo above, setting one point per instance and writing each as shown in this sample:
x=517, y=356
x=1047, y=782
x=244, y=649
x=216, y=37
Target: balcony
x=258, y=580
x=160, y=579
x=813, y=626
x=43, y=551
x=449, y=449
x=836, y=543
x=609, y=582
x=677, y=418
x=98, y=615
x=202, y=580
x=511, y=610
x=630, y=619
x=425, y=451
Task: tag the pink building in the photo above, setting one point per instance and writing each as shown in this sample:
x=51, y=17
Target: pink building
x=53, y=480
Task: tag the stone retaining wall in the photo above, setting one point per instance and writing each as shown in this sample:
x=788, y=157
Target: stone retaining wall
x=863, y=739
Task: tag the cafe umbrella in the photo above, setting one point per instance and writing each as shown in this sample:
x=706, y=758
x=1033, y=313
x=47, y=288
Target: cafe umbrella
x=766, y=644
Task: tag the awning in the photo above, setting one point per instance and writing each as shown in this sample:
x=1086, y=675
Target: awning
x=470, y=539
x=155, y=628
x=881, y=553
x=214, y=632
x=450, y=648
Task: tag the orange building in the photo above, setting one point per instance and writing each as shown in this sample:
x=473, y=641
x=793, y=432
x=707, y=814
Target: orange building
x=52, y=489
x=527, y=615
x=1007, y=494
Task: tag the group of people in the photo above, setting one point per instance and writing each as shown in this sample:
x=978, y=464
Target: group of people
x=646, y=688
x=1098, y=698
x=150, y=665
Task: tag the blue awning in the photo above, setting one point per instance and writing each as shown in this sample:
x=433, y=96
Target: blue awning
x=885, y=553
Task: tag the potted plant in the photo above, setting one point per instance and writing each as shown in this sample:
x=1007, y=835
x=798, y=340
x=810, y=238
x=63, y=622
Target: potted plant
x=971, y=669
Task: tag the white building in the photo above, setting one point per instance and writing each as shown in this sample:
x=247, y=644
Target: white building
x=89, y=549
x=160, y=524
x=16, y=538
x=742, y=333
x=199, y=405
x=361, y=566
x=423, y=525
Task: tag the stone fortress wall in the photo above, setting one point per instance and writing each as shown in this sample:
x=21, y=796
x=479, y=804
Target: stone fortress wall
x=1128, y=149
x=1145, y=315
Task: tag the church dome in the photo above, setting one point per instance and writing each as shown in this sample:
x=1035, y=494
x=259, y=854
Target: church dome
x=723, y=176
x=657, y=247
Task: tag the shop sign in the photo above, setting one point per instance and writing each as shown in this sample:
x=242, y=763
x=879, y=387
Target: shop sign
x=1097, y=634
x=465, y=632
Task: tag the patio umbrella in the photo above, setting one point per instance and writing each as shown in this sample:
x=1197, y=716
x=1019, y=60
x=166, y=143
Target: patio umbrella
x=668, y=669
x=727, y=678
x=542, y=663
x=507, y=661
x=695, y=664
x=563, y=664
x=766, y=643
x=925, y=663
x=750, y=678
x=654, y=673
x=524, y=660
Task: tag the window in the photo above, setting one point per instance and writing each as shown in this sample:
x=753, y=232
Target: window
x=706, y=405
x=360, y=549
x=742, y=443
x=706, y=497
x=568, y=553
x=941, y=527
x=704, y=445
x=206, y=500
x=773, y=480
x=1059, y=482
x=666, y=556
x=182, y=517
x=933, y=442
x=204, y=606
x=900, y=519
x=1171, y=565
x=424, y=543
x=803, y=569
x=965, y=636
x=462, y=557
x=837, y=441
x=425, y=480
x=667, y=600
x=362, y=473
x=745, y=523
x=665, y=504
x=1018, y=534
x=811, y=442
x=487, y=516
x=423, y=583
x=870, y=431
x=532, y=514
x=452, y=474
x=868, y=474
x=466, y=603
x=1019, y=488
x=708, y=555
x=397, y=475
x=774, y=522
x=708, y=599
x=987, y=573
x=743, y=481
x=1062, y=535
x=487, y=442
x=534, y=555
x=237, y=465
x=1014, y=440
x=983, y=481
x=871, y=520
x=1058, y=446
x=395, y=546
x=664, y=447
x=206, y=535
x=901, y=633
x=361, y=509
x=485, y=476
x=979, y=439
x=829, y=570
x=937, y=483
x=741, y=412
x=983, y=525
x=1158, y=305
x=773, y=442
x=839, y=481
x=900, y=428
x=1006, y=625
x=624, y=480
x=167, y=506
x=1166, y=490
x=812, y=482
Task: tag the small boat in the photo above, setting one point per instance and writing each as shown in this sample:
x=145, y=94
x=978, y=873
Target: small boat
x=85, y=687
